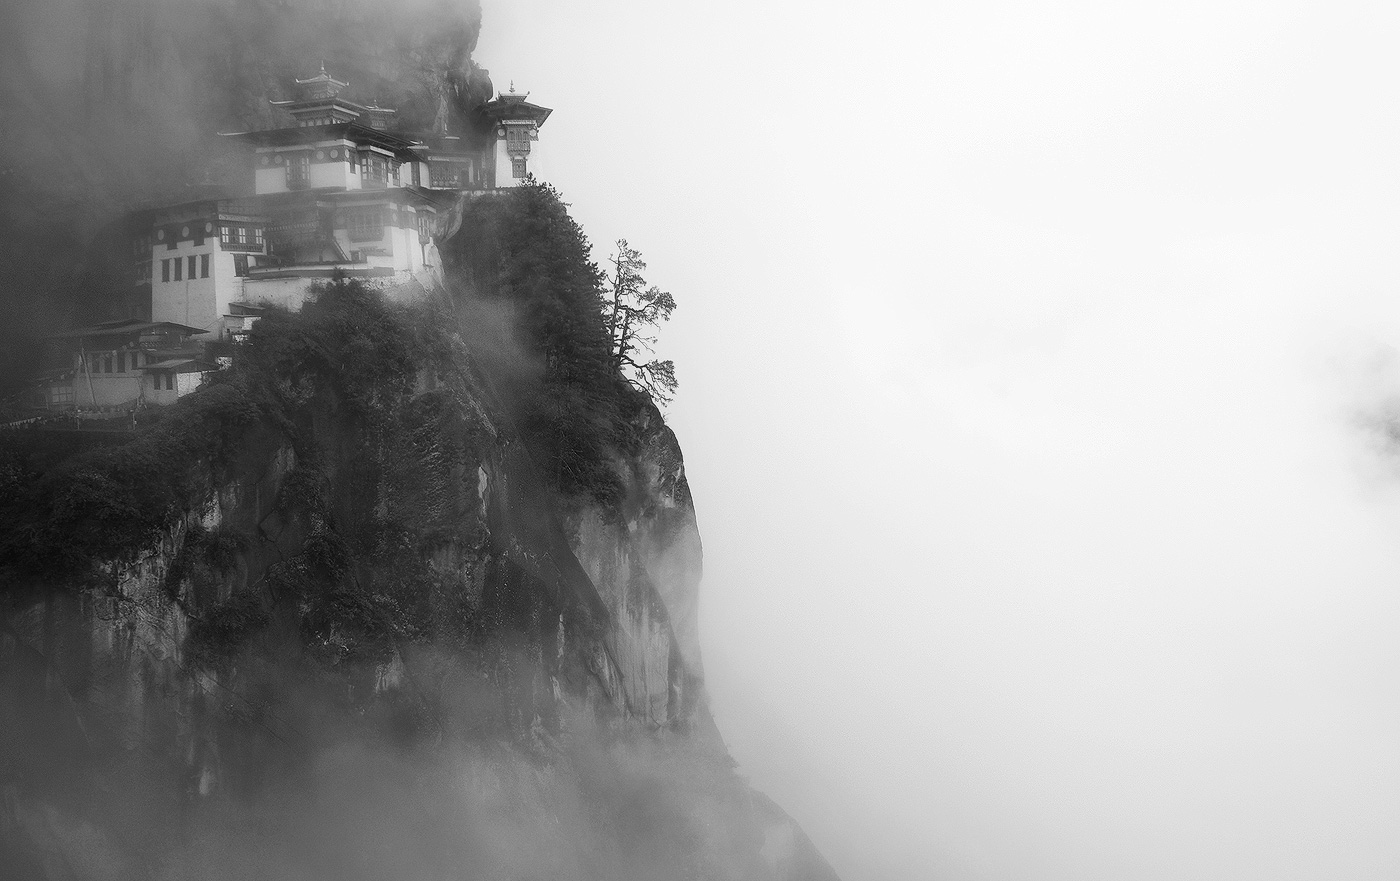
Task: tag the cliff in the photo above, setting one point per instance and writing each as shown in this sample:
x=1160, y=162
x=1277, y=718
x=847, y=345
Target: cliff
x=409, y=590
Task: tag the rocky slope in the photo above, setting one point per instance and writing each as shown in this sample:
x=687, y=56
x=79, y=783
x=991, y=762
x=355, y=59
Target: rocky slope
x=377, y=600
x=410, y=590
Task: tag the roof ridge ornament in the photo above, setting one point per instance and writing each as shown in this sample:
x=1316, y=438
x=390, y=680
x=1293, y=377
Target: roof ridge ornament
x=322, y=85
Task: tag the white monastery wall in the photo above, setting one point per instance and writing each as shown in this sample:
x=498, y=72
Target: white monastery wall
x=187, y=382
x=106, y=389
x=504, y=177
x=188, y=301
x=289, y=293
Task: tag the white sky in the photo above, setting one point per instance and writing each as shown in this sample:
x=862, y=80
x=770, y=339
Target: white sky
x=1022, y=348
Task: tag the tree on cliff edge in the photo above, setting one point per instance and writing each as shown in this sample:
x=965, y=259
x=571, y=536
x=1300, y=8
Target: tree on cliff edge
x=634, y=310
x=525, y=249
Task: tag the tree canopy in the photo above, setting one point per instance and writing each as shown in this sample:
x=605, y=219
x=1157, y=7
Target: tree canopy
x=634, y=310
x=525, y=250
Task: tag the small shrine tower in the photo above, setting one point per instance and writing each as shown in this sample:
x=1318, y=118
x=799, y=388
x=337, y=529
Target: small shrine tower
x=318, y=102
x=517, y=131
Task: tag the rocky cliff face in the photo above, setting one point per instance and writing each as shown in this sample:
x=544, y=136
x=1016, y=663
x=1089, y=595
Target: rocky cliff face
x=409, y=591
x=374, y=639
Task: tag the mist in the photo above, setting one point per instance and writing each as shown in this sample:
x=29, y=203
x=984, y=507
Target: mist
x=1038, y=381
x=1035, y=362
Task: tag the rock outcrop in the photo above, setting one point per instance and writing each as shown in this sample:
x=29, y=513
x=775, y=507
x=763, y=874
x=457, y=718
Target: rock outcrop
x=409, y=591
x=371, y=571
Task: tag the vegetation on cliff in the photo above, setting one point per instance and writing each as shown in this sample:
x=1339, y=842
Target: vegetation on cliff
x=400, y=404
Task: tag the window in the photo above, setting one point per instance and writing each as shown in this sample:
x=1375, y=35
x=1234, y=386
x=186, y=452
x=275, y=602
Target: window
x=442, y=174
x=135, y=360
x=179, y=268
x=165, y=270
x=107, y=362
x=298, y=170
x=258, y=236
x=121, y=362
x=203, y=265
x=374, y=168
x=364, y=225
x=240, y=235
x=425, y=228
x=192, y=263
x=226, y=235
x=517, y=166
x=517, y=139
x=240, y=265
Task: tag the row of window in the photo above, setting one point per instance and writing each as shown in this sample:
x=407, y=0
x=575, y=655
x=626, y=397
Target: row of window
x=376, y=169
x=230, y=234
x=457, y=175
x=118, y=362
x=370, y=166
x=364, y=225
x=367, y=224
x=179, y=264
x=114, y=362
x=241, y=235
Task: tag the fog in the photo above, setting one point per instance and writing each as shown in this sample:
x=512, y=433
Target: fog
x=1035, y=362
x=1038, y=365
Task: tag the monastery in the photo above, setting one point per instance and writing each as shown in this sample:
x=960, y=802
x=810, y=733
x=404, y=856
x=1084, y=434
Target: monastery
x=340, y=191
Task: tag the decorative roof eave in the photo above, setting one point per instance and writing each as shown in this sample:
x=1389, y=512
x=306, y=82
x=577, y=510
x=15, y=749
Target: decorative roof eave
x=504, y=109
x=332, y=198
x=190, y=365
x=309, y=104
x=209, y=202
x=363, y=134
x=437, y=198
x=443, y=146
x=123, y=328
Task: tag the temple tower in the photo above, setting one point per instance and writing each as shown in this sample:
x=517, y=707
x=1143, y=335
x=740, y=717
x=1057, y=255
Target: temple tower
x=517, y=131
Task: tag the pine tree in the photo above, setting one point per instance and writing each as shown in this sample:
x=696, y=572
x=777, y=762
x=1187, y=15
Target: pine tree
x=634, y=310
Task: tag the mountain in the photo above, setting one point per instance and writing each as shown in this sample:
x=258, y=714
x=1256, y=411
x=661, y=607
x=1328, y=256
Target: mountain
x=409, y=589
